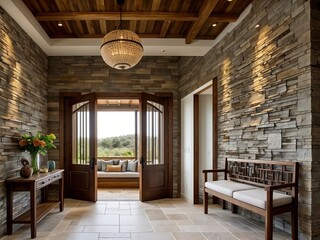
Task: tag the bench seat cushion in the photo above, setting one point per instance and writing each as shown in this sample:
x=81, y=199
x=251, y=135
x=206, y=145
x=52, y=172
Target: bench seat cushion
x=227, y=187
x=258, y=198
x=101, y=174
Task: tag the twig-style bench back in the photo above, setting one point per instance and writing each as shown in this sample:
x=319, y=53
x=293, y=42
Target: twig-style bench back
x=278, y=179
x=261, y=172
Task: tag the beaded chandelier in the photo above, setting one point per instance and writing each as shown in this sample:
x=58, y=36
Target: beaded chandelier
x=121, y=49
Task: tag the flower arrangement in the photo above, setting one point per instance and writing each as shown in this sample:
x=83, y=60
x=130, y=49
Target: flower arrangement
x=36, y=144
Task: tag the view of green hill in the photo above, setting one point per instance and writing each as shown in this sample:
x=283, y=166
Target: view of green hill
x=117, y=146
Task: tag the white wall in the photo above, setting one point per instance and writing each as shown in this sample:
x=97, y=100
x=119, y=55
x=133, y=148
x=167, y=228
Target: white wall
x=205, y=135
x=187, y=142
x=187, y=148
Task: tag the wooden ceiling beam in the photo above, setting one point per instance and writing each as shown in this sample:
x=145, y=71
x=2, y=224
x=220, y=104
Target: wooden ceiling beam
x=223, y=17
x=142, y=16
x=153, y=16
x=203, y=14
x=164, y=29
x=141, y=35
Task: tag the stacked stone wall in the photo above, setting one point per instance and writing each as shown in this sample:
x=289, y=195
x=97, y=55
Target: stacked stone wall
x=315, y=76
x=264, y=89
x=23, y=103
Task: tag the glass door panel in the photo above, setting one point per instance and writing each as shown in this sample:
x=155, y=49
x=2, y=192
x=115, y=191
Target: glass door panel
x=155, y=136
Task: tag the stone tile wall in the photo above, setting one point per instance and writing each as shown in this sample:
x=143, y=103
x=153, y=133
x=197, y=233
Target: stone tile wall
x=23, y=103
x=315, y=81
x=91, y=74
x=265, y=106
x=264, y=86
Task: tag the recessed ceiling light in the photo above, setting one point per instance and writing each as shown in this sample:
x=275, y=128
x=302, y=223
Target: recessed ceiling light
x=256, y=26
x=214, y=25
x=60, y=24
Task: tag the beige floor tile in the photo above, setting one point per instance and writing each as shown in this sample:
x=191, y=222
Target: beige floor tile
x=200, y=219
x=99, y=220
x=106, y=194
x=73, y=236
x=189, y=236
x=211, y=228
x=188, y=228
x=61, y=227
x=165, y=226
x=114, y=238
x=74, y=228
x=168, y=219
x=115, y=235
x=100, y=229
x=183, y=222
x=136, y=229
x=137, y=211
x=118, y=211
x=220, y=236
x=134, y=220
x=177, y=210
x=152, y=236
x=155, y=214
x=176, y=216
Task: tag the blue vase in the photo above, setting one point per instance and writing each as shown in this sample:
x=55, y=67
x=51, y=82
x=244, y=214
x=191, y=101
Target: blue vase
x=51, y=165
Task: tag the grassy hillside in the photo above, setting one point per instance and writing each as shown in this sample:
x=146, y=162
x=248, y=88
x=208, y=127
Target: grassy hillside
x=117, y=146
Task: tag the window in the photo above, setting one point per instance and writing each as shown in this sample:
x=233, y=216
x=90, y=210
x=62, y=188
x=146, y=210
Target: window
x=116, y=132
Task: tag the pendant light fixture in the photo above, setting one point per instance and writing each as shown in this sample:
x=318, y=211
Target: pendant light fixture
x=121, y=49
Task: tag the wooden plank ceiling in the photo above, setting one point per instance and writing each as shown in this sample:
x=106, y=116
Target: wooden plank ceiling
x=189, y=19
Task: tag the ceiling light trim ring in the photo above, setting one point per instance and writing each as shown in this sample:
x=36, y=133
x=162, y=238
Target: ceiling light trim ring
x=120, y=40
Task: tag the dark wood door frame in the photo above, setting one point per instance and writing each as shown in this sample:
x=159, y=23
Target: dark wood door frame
x=196, y=136
x=169, y=101
x=64, y=97
x=81, y=161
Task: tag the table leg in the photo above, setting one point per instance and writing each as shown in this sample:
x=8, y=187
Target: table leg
x=9, y=210
x=33, y=211
x=61, y=194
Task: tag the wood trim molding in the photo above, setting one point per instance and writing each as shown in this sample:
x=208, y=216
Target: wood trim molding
x=215, y=149
x=196, y=151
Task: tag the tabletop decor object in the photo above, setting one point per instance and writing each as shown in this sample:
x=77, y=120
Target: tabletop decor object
x=26, y=171
x=35, y=145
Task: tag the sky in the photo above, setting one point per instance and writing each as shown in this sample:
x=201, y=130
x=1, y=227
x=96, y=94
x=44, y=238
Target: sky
x=111, y=124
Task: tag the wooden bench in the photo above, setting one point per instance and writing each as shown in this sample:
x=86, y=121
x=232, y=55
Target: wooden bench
x=267, y=188
x=118, y=181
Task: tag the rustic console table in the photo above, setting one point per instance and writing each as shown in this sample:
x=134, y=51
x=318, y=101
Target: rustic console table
x=37, y=210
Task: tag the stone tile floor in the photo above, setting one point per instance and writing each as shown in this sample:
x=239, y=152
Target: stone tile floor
x=167, y=219
x=106, y=194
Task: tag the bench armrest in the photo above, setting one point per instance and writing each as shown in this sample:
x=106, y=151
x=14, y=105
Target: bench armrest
x=279, y=186
x=205, y=173
x=213, y=170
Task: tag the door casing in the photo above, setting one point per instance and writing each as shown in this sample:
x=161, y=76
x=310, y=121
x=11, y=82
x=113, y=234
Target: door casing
x=66, y=96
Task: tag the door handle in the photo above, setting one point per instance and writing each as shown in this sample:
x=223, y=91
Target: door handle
x=92, y=163
x=142, y=162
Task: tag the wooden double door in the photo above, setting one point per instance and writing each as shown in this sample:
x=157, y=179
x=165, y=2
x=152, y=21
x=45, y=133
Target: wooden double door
x=155, y=145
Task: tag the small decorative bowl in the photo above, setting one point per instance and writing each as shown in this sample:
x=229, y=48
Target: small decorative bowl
x=44, y=170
